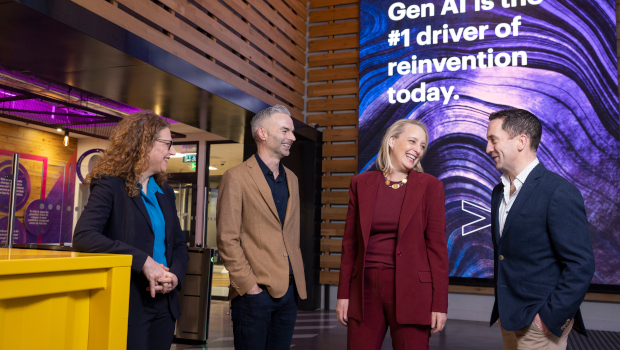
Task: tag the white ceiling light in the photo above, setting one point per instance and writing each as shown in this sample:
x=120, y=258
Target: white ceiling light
x=181, y=155
x=212, y=168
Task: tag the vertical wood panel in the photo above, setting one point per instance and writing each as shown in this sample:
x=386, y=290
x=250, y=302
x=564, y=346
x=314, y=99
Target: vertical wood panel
x=350, y=42
x=334, y=29
x=335, y=85
x=334, y=14
x=333, y=89
x=329, y=74
x=333, y=59
x=330, y=3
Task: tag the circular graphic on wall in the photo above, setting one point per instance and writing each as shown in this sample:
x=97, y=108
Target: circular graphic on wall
x=87, y=161
x=37, y=217
x=19, y=231
x=23, y=186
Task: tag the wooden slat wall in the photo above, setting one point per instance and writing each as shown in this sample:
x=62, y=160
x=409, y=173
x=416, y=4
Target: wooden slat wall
x=258, y=46
x=333, y=105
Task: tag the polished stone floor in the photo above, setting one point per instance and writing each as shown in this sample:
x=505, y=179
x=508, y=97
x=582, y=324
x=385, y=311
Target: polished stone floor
x=320, y=330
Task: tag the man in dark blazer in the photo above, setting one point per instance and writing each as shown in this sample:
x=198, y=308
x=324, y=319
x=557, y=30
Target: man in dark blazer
x=543, y=256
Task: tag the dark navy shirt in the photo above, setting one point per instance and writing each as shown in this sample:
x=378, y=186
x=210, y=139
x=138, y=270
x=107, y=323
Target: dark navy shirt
x=279, y=187
x=279, y=192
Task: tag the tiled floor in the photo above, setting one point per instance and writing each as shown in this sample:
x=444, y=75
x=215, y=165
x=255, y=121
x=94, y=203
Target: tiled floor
x=321, y=331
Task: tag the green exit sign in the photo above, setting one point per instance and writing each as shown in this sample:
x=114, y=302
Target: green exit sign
x=189, y=158
x=193, y=166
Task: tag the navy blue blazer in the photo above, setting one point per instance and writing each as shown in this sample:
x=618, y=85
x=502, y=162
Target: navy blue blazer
x=113, y=222
x=543, y=261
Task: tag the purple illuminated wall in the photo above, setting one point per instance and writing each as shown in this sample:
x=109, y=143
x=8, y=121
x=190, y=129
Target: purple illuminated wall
x=570, y=82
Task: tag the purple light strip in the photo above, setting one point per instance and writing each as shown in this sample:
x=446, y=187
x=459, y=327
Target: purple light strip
x=54, y=110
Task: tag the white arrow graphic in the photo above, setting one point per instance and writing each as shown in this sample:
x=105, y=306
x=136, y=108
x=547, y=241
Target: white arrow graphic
x=472, y=213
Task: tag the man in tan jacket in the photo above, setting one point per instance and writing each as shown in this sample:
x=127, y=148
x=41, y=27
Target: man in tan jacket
x=258, y=237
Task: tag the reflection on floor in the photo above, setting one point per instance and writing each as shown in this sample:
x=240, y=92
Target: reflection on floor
x=221, y=281
x=320, y=330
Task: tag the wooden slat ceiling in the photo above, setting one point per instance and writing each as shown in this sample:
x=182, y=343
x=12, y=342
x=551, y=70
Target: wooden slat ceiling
x=258, y=46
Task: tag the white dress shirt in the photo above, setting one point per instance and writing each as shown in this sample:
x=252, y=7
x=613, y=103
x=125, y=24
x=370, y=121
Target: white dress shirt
x=508, y=200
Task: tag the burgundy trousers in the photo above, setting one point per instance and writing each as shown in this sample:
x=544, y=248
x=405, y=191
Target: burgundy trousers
x=379, y=313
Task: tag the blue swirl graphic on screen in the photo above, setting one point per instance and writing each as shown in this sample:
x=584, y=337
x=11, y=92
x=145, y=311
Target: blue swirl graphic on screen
x=570, y=82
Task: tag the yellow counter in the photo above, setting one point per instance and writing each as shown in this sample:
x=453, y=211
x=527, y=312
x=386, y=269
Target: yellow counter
x=63, y=300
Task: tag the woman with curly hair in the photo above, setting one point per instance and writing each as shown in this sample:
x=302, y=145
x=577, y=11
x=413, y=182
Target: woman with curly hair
x=131, y=210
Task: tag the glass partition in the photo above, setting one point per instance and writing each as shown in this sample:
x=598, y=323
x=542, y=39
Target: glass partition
x=221, y=158
x=43, y=200
x=183, y=177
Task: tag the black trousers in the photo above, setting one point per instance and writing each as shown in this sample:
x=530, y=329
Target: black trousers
x=261, y=322
x=155, y=328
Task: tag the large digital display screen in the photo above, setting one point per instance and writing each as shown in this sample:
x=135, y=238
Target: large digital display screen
x=450, y=63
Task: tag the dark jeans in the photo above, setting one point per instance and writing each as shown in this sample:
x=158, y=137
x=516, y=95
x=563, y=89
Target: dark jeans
x=261, y=322
x=155, y=328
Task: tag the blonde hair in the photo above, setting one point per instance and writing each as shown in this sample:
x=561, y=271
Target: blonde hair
x=383, y=158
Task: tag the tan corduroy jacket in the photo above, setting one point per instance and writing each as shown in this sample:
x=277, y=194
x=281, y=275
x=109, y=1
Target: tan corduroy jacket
x=250, y=238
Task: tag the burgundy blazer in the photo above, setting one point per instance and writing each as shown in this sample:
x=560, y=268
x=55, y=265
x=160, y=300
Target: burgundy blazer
x=421, y=248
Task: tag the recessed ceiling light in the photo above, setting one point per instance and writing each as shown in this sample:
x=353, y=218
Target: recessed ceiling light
x=212, y=168
x=59, y=130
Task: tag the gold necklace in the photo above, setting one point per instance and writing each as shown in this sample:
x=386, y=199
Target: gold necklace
x=394, y=186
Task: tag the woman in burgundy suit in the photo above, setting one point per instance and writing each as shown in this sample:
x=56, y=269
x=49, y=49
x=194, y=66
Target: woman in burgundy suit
x=394, y=268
